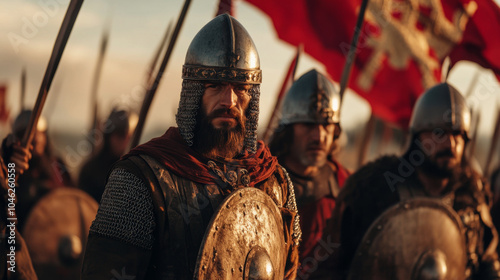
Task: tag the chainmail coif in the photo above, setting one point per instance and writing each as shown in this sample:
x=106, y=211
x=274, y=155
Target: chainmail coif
x=189, y=105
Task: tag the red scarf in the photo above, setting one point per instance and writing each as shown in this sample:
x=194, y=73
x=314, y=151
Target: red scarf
x=171, y=150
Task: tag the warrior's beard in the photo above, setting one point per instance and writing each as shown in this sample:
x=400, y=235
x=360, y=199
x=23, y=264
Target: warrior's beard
x=218, y=142
x=432, y=168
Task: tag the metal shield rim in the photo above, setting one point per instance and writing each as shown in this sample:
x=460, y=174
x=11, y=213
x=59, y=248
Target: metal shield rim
x=382, y=220
x=254, y=193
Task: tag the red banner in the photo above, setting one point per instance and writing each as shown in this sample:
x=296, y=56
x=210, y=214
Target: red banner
x=4, y=112
x=481, y=41
x=402, y=44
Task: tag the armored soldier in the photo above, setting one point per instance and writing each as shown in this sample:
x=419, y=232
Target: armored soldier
x=424, y=215
x=306, y=136
x=205, y=200
x=47, y=170
x=116, y=136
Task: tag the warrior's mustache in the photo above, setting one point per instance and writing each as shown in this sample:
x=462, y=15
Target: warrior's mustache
x=316, y=145
x=224, y=113
x=445, y=153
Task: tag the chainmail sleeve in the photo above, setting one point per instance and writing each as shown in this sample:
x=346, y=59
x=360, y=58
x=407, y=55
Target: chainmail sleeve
x=126, y=211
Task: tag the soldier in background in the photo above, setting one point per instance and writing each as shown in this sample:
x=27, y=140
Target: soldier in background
x=95, y=170
x=304, y=141
x=158, y=216
x=47, y=171
x=13, y=162
x=495, y=209
x=426, y=188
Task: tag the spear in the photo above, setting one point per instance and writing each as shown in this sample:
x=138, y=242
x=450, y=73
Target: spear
x=476, y=117
x=365, y=143
x=23, y=88
x=96, y=80
x=289, y=79
x=472, y=84
x=493, y=146
x=344, y=80
x=154, y=86
x=60, y=44
x=351, y=55
x=156, y=57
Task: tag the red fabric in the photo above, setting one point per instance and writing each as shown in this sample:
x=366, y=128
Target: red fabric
x=225, y=6
x=326, y=27
x=171, y=150
x=481, y=40
x=287, y=83
x=313, y=221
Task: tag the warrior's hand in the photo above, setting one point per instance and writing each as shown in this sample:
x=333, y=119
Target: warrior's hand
x=18, y=155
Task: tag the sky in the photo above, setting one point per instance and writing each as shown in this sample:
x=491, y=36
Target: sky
x=28, y=30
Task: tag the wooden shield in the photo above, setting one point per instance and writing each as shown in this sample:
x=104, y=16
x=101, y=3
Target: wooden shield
x=56, y=232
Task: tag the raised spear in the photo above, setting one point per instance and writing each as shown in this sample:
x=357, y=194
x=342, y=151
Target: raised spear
x=351, y=55
x=154, y=86
x=289, y=79
x=23, y=88
x=95, y=82
x=156, y=57
x=60, y=44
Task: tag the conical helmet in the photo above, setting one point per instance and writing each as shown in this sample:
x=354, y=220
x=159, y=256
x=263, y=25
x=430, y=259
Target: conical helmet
x=313, y=98
x=223, y=51
x=442, y=106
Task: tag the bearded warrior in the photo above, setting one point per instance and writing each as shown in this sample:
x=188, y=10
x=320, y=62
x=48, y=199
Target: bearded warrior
x=424, y=215
x=304, y=142
x=206, y=200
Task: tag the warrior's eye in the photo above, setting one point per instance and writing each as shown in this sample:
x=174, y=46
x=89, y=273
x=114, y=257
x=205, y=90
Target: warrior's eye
x=212, y=85
x=242, y=89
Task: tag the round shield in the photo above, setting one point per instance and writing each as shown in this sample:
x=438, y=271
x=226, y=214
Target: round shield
x=419, y=238
x=244, y=239
x=56, y=232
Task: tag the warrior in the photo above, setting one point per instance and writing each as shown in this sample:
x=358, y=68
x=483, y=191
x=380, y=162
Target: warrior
x=304, y=142
x=14, y=256
x=424, y=215
x=47, y=171
x=206, y=200
x=116, y=136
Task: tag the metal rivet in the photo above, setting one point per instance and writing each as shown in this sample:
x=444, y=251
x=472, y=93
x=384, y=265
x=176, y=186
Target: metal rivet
x=227, y=206
x=241, y=268
x=204, y=267
x=216, y=227
x=232, y=270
